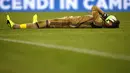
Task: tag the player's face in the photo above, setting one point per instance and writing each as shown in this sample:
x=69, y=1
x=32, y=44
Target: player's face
x=109, y=23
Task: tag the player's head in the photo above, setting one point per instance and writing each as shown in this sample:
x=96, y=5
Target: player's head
x=112, y=21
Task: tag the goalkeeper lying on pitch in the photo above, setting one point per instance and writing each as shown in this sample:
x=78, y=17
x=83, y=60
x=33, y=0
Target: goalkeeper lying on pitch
x=98, y=19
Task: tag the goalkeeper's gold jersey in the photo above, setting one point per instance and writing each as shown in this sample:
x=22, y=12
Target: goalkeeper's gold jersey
x=69, y=20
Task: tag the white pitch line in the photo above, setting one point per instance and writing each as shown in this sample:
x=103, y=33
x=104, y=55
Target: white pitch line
x=78, y=50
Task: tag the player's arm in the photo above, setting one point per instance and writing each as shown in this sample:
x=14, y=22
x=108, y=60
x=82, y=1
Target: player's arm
x=110, y=20
x=101, y=12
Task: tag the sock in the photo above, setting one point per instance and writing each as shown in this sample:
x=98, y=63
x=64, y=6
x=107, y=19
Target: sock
x=23, y=26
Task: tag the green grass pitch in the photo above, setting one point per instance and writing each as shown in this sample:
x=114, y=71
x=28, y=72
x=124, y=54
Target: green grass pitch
x=26, y=58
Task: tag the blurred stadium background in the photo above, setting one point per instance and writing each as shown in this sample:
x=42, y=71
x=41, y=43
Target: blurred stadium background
x=111, y=45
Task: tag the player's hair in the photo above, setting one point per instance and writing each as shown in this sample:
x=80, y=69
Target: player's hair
x=116, y=24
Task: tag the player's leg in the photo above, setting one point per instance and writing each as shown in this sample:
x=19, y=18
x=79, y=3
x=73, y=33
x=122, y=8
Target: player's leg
x=54, y=23
x=21, y=26
x=59, y=23
x=25, y=26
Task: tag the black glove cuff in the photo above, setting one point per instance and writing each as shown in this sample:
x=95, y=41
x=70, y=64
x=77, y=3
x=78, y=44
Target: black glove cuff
x=105, y=15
